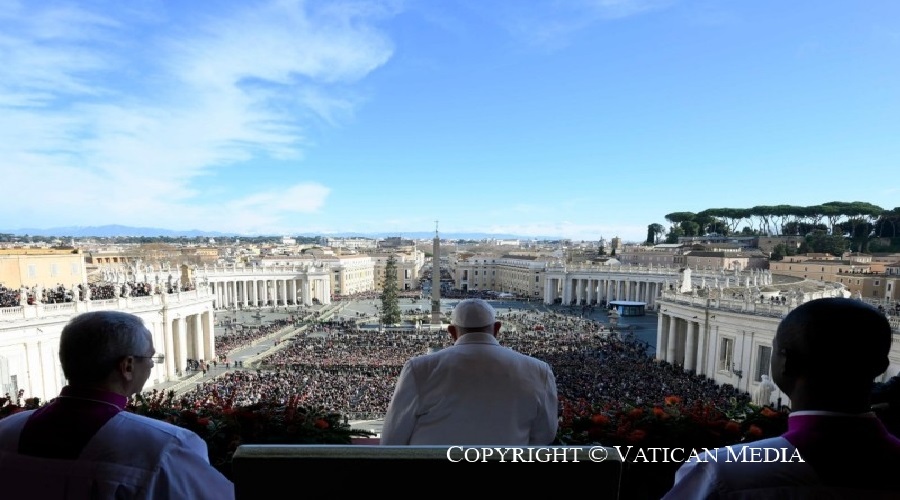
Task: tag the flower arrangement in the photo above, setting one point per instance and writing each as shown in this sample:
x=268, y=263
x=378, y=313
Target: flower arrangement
x=224, y=426
x=670, y=423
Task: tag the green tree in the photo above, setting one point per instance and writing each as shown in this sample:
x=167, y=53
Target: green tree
x=390, y=306
x=821, y=242
x=653, y=232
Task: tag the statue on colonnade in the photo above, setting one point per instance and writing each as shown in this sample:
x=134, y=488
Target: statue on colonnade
x=763, y=394
x=686, y=281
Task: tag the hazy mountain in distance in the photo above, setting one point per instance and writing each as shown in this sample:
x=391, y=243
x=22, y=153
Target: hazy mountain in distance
x=114, y=230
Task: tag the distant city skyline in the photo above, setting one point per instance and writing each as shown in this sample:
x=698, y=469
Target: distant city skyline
x=574, y=119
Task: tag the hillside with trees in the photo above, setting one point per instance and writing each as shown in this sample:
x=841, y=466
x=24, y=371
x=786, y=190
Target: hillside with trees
x=831, y=227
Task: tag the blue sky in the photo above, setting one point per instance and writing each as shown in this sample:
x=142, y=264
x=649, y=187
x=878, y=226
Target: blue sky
x=572, y=118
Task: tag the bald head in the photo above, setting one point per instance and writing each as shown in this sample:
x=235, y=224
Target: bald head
x=843, y=343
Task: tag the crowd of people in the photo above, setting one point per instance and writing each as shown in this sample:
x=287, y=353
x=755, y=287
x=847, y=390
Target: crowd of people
x=353, y=371
x=86, y=291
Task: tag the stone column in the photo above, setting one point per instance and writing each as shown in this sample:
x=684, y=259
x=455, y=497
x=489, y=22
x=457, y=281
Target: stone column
x=670, y=344
x=703, y=343
x=198, y=337
x=209, y=336
x=661, y=338
x=304, y=292
x=169, y=350
x=181, y=332
x=690, y=352
x=567, y=291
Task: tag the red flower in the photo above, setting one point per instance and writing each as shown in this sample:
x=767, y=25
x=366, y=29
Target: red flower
x=755, y=431
x=768, y=412
x=321, y=424
x=637, y=435
x=636, y=413
x=672, y=400
x=599, y=419
x=660, y=413
x=733, y=427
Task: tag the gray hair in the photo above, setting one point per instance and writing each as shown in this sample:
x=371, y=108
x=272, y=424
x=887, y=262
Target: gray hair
x=92, y=343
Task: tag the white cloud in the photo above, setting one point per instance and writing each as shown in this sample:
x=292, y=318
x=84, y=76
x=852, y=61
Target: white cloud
x=121, y=117
x=551, y=23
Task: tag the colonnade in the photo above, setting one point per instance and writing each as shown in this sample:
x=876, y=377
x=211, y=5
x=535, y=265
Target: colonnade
x=586, y=289
x=180, y=324
x=182, y=337
x=277, y=286
x=678, y=341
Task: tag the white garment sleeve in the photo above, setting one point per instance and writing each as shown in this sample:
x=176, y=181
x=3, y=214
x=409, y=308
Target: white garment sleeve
x=544, y=431
x=400, y=419
x=185, y=472
x=694, y=480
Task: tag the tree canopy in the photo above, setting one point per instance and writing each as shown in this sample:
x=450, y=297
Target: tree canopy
x=858, y=223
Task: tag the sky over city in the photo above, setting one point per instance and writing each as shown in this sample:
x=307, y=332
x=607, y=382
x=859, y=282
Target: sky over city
x=562, y=118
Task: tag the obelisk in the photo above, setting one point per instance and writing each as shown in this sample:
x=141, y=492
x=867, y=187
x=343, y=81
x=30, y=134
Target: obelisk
x=436, y=279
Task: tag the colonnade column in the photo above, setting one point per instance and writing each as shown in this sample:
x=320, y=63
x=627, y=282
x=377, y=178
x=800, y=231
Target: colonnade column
x=209, y=336
x=181, y=350
x=662, y=338
x=701, y=351
x=670, y=344
x=169, y=341
x=690, y=350
x=198, y=337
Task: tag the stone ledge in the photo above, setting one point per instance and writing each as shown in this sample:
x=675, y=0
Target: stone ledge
x=259, y=470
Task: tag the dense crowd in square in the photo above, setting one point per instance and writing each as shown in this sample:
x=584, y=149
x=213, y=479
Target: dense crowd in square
x=342, y=368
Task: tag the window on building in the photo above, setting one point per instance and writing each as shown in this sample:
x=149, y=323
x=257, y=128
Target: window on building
x=32, y=271
x=74, y=269
x=763, y=362
x=726, y=354
x=54, y=269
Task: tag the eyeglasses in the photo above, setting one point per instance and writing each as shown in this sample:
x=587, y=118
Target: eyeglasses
x=156, y=358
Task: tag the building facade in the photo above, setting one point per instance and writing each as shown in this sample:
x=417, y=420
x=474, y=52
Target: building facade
x=41, y=267
x=181, y=325
x=728, y=338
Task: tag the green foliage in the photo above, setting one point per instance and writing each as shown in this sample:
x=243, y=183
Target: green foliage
x=674, y=234
x=781, y=251
x=390, y=305
x=820, y=242
x=653, y=232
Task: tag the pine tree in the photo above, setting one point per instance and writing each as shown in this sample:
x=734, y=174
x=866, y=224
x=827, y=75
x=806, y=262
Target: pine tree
x=390, y=307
